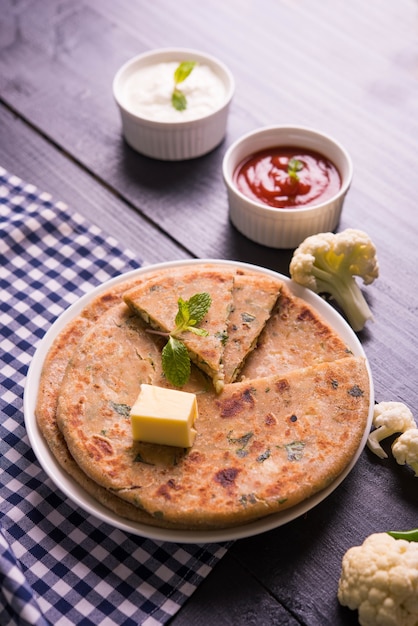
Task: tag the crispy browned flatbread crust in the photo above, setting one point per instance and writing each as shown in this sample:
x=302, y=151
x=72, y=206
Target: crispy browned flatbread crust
x=262, y=446
x=54, y=367
x=294, y=336
x=160, y=485
x=156, y=302
x=253, y=298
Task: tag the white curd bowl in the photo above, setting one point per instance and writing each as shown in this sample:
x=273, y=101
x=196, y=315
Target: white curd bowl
x=284, y=227
x=180, y=138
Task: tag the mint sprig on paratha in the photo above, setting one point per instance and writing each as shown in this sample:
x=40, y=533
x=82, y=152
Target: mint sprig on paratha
x=175, y=357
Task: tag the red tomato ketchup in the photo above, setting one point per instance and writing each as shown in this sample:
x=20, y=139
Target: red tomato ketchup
x=288, y=177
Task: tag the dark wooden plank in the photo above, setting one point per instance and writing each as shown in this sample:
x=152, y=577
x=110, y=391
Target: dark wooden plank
x=291, y=68
x=301, y=562
x=31, y=157
x=240, y=599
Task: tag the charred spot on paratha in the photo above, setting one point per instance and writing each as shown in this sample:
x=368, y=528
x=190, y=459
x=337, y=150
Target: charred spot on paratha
x=232, y=406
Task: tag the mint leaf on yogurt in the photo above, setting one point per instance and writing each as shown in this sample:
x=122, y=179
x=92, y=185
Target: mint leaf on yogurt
x=183, y=70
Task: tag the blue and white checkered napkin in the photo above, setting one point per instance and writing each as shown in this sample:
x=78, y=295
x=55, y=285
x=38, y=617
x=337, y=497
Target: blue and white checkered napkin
x=59, y=565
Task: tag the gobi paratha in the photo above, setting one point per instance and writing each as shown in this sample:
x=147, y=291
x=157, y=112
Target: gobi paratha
x=156, y=302
x=261, y=446
x=294, y=336
x=53, y=370
x=253, y=299
x=110, y=472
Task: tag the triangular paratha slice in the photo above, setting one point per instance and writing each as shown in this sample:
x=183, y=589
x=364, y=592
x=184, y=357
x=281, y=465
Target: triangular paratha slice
x=254, y=297
x=156, y=302
x=295, y=336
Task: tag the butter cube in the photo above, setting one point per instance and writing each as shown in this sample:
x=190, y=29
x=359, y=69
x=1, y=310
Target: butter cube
x=164, y=416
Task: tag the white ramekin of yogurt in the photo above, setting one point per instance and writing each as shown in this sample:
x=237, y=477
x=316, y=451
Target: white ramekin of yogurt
x=152, y=124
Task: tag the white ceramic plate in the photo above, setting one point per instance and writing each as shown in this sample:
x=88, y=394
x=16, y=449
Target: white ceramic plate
x=80, y=497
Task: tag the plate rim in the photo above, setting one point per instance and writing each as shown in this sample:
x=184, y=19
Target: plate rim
x=75, y=492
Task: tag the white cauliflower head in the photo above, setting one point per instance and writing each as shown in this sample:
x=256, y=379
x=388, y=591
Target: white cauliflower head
x=388, y=418
x=380, y=579
x=328, y=263
x=405, y=449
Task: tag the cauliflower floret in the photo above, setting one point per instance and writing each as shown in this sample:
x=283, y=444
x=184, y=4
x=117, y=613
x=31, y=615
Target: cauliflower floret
x=405, y=449
x=388, y=418
x=329, y=262
x=380, y=579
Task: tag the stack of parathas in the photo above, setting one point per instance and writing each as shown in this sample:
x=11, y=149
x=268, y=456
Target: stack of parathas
x=283, y=403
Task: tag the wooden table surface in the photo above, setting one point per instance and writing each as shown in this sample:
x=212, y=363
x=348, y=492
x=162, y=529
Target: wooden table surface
x=347, y=68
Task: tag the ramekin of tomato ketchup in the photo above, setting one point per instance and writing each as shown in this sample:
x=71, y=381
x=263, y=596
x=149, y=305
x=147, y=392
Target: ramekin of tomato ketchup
x=285, y=183
x=285, y=177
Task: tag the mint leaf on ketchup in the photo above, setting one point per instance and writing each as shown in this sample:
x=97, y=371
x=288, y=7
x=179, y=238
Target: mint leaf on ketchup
x=293, y=167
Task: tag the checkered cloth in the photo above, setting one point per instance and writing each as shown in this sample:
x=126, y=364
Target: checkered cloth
x=58, y=565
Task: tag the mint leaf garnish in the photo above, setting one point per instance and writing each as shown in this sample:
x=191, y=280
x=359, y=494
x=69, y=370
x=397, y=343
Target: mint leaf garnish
x=178, y=99
x=176, y=362
x=175, y=358
x=183, y=71
x=293, y=167
x=190, y=313
x=198, y=306
x=183, y=316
